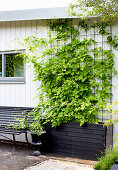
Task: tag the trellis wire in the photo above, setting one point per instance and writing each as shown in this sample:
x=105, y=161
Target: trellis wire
x=103, y=43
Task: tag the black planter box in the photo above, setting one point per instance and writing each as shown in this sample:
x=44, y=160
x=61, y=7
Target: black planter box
x=71, y=139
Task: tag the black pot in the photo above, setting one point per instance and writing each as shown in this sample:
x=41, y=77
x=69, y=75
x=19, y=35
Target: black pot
x=35, y=138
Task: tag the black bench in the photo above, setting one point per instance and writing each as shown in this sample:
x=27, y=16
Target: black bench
x=10, y=116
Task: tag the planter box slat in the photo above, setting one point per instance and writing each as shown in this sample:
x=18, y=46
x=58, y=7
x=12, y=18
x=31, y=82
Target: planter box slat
x=78, y=138
x=76, y=125
x=81, y=143
x=69, y=128
x=77, y=148
x=81, y=156
x=83, y=135
x=75, y=153
x=85, y=142
x=76, y=131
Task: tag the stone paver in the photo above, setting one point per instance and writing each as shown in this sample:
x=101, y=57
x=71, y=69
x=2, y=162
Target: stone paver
x=59, y=165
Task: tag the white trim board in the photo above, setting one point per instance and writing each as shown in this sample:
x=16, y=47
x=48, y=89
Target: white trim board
x=35, y=14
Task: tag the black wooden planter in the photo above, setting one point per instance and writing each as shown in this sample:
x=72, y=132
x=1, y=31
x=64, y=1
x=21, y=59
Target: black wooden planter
x=71, y=139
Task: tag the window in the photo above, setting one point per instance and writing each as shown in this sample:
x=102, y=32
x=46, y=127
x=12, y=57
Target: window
x=11, y=67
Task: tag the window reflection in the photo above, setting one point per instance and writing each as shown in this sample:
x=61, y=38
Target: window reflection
x=14, y=66
x=0, y=65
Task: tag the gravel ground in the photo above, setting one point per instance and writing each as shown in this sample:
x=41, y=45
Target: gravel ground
x=17, y=160
x=21, y=160
x=59, y=165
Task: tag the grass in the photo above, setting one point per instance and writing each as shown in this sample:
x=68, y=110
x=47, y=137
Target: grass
x=108, y=160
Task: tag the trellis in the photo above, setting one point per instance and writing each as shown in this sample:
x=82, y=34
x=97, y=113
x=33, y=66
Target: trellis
x=102, y=42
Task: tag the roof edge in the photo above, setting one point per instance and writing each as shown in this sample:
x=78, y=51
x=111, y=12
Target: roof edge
x=35, y=14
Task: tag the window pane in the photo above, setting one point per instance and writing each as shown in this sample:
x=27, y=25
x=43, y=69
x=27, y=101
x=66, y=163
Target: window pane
x=0, y=65
x=14, y=66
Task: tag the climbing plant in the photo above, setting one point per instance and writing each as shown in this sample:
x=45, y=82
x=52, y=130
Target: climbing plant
x=75, y=75
x=105, y=10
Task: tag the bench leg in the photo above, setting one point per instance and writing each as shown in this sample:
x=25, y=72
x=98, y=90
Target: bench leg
x=27, y=139
x=36, y=143
x=14, y=143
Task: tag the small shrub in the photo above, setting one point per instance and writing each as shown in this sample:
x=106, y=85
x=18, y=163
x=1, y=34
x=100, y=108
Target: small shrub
x=114, y=120
x=108, y=160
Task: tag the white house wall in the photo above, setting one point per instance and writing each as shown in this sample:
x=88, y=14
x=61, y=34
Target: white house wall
x=115, y=78
x=19, y=94
x=23, y=94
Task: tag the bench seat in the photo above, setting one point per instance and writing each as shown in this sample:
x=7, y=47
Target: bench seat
x=10, y=116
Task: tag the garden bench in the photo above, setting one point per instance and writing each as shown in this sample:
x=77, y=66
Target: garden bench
x=9, y=116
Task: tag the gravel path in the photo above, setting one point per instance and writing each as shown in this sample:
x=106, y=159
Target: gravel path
x=17, y=160
x=59, y=165
x=20, y=159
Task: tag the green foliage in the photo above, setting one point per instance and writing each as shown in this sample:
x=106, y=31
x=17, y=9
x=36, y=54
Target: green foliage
x=31, y=121
x=113, y=41
x=105, y=10
x=113, y=111
x=75, y=78
x=107, y=161
x=104, y=13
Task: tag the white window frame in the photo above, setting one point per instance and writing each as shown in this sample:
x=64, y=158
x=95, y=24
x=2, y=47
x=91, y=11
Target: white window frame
x=4, y=79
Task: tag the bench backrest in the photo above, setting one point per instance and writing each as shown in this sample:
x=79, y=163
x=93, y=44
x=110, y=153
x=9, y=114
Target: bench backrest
x=12, y=115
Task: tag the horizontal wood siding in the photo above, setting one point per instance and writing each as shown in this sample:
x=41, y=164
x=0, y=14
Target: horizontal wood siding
x=71, y=139
x=16, y=94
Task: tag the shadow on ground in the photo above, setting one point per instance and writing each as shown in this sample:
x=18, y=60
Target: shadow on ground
x=20, y=158
x=17, y=160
